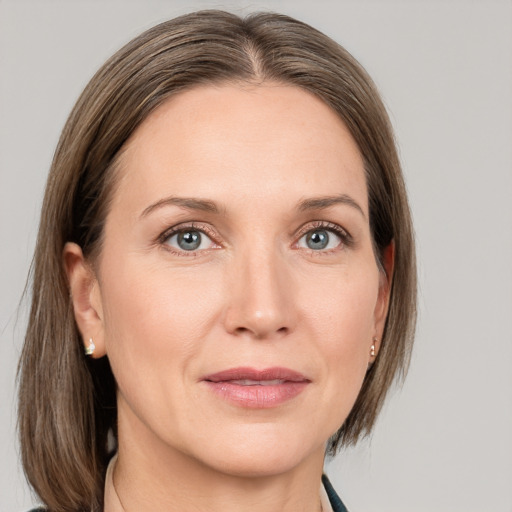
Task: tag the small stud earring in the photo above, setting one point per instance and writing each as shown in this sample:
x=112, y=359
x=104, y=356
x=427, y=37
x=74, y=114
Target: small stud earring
x=89, y=350
x=372, y=348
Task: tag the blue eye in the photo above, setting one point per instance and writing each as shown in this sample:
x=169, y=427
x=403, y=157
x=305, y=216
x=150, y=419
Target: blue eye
x=189, y=240
x=320, y=240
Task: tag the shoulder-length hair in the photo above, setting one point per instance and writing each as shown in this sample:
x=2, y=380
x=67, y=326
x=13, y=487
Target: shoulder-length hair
x=67, y=404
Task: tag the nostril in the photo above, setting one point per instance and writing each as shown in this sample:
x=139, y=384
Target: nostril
x=259, y=332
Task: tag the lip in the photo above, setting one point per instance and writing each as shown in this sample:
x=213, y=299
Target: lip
x=257, y=389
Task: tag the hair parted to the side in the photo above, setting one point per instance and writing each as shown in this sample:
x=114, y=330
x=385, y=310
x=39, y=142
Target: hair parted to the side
x=67, y=404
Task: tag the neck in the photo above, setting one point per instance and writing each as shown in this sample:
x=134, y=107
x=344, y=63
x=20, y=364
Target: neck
x=148, y=478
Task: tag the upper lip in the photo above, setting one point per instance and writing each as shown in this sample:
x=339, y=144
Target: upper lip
x=275, y=373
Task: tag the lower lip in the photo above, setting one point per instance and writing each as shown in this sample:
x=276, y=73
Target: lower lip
x=257, y=396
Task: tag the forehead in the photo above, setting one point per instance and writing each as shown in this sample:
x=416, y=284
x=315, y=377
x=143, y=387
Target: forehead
x=254, y=140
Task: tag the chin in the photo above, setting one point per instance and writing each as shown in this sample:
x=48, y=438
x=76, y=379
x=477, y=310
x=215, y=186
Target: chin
x=260, y=455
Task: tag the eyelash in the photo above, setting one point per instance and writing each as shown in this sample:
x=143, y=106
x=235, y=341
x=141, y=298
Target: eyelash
x=183, y=228
x=346, y=239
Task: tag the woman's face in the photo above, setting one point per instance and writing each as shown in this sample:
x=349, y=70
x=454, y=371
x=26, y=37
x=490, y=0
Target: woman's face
x=237, y=291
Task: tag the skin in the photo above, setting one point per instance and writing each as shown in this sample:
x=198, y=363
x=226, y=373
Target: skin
x=254, y=294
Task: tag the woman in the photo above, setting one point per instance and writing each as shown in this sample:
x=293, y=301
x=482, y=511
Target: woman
x=226, y=235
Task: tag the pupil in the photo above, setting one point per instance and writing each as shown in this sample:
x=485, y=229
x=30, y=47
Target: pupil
x=189, y=240
x=317, y=240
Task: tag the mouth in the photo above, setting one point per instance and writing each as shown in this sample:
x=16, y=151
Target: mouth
x=257, y=389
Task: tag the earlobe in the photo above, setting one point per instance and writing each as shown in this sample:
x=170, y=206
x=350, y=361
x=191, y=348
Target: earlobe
x=373, y=352
x=86, y=299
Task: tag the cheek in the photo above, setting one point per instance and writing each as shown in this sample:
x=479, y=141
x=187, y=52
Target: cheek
x=155, y=317
x=342, y=304
x=341, y=318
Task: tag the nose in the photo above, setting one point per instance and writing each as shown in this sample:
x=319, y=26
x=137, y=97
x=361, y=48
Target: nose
x=261, y=297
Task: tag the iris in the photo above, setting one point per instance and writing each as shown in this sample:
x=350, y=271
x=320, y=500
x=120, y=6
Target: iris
x=317, y=240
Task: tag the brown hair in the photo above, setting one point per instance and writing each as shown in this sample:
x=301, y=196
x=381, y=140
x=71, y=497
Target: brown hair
x=67, y=404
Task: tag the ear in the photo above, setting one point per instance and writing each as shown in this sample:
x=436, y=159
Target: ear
x=86, y=298
x=382, y=305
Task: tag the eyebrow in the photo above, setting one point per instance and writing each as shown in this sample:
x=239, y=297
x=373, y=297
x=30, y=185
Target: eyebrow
x=204, y=205
x=190, y=203
x=320, y=203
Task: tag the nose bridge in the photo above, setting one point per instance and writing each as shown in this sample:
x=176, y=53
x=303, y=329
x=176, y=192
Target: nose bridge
x=261, y=302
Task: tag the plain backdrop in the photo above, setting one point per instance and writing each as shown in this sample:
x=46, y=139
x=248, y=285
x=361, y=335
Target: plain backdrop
x=444, y=68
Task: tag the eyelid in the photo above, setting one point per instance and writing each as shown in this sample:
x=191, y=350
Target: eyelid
x=323, y=224
x=188, y=226
x=345, y=236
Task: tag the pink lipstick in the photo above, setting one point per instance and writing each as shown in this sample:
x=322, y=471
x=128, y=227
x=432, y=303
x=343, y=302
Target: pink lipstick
x=258, y=389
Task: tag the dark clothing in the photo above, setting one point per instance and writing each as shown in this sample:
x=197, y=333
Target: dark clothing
x=336, y=503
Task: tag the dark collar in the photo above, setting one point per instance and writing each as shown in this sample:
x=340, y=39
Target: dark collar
x=336, y=503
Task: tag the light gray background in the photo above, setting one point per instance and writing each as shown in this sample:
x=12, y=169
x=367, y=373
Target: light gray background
x=444, y=442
